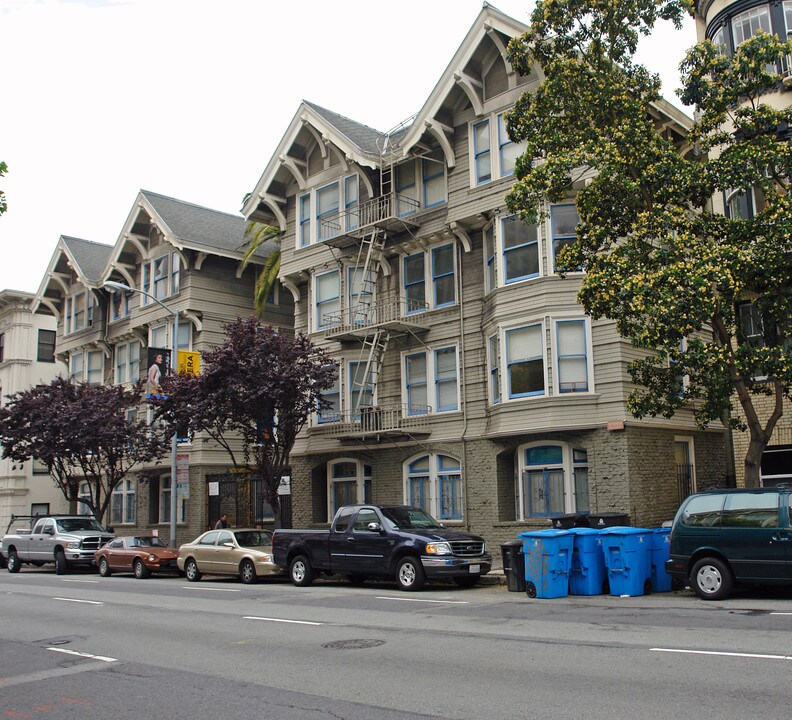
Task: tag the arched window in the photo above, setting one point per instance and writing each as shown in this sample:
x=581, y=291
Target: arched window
x=348, y=483
x=553, y=480
x=434, y=484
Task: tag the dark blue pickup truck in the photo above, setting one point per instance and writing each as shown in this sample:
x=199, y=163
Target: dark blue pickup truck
x=393, y=541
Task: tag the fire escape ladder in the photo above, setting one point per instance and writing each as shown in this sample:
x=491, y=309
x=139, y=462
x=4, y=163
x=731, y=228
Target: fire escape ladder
x=372, y=353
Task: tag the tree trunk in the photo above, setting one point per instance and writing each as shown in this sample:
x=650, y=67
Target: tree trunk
x=753, y=461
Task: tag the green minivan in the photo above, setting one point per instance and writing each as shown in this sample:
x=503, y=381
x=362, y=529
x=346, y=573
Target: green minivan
x=724, y=537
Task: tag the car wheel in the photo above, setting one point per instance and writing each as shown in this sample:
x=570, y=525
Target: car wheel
x=530, y=590
x=711, y=579
x=61, y=566
x=141, y=571
x=467, y=581
x=104, y=567
x=13, y=562
x=247, y=572
x=301, y=572
x=356, y=580
x=191, y=570
x=410, y=574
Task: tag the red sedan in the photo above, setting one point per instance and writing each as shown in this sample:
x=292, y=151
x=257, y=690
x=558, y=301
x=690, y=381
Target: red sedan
x=141, y=555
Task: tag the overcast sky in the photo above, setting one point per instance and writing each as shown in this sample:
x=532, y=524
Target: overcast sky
x=189, y=98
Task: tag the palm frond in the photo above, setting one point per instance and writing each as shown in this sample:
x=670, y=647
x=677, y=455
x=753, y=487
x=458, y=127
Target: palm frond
x=256, y=234
x=266, y=279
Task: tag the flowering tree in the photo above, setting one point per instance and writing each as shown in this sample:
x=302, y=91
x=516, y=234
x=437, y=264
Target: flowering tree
x=82, y=434
x=3, y=203
x=706, y=296
x=254, y=395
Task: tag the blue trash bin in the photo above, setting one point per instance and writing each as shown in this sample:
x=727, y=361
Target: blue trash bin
x=548, y=554
x=627, y=552
x=587, y=573
x=661, y=551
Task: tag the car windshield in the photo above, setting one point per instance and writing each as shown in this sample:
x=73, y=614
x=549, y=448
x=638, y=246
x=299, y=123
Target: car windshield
x=253, y=538
x=148, y=542
x=408, y=517
x=73, y=524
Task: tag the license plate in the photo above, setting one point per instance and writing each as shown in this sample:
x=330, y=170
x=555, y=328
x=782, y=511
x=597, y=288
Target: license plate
x=475, y=568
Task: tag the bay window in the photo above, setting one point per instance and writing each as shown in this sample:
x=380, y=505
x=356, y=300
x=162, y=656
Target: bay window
x=525, y=356
x=563, y=222
x=520, y=249
x=572, y=356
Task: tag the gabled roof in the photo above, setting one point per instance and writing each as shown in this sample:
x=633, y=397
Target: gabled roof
x=87, y=259
x=366, y=139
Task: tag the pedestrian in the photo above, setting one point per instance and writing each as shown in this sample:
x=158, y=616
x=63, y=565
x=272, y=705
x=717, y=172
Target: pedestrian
x=222, y=522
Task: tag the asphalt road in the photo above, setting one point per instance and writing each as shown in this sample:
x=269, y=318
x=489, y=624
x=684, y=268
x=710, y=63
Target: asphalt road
x=90, y=648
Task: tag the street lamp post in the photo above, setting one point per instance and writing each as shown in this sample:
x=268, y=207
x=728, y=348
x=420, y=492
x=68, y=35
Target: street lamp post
x=117, y=286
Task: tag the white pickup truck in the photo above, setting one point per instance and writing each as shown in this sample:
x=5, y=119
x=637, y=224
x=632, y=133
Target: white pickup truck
x=61, y=539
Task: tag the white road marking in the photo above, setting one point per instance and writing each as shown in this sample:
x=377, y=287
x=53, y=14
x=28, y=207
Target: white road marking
x=87, y=602
x=81, y=581
x=403, y=599
x=724, y=654
x=781, y=613
x=210, y=589
x=281, y=620
x=82, y=654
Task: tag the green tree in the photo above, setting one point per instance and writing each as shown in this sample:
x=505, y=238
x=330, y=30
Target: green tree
x=3, y=202
x=659, y=259
x=256, y=235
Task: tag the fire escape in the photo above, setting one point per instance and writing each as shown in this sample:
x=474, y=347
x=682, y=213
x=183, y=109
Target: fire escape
x=370, y=323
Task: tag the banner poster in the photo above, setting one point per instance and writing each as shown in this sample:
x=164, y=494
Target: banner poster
x=189, y=363
x=158, y=367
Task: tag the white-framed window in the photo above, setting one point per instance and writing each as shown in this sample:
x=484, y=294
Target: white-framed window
x=122, y=503
x=431, y=381
x=348, y=483
x=485, y=136
x=563, y=222
x=525, y=361
x=160, y=335
x=433, y=482
x=490, y=258
x=327, y=299
x=776, y=467
x=433, y=176
x=406, y=188
x=429, y=279
x=494, y=363
x=740, y=204
x=684, y=455
x=319, y=211
x=519, y=245
x=332, y=396
x=127, y=362
x=361, y=390
x=86, y=366
x=747, y=24
x=360, y=294
x=553, y=480
x=119, y=305
x=161, y=277
x=572, y=356
x=78, y=312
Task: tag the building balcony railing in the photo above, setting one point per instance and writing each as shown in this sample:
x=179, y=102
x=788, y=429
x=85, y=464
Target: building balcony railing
x=385, y=420
x=396, y=315
x=392, y=212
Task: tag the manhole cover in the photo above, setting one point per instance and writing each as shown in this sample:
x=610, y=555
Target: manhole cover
x=353, y=644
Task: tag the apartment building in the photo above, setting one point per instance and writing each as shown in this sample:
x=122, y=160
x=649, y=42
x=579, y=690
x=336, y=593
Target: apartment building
x=185, y=258
x=470, y=381
x=27, y=358
x=728, y=23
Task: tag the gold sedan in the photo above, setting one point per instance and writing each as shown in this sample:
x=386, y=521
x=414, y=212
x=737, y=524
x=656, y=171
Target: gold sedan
x=245, y=552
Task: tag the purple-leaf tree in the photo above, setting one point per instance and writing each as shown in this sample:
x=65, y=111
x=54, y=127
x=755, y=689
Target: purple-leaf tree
x=256, y=392
x=82, y=434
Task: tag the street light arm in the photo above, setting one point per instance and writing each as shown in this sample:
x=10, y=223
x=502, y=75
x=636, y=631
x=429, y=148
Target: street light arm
x=116, y=286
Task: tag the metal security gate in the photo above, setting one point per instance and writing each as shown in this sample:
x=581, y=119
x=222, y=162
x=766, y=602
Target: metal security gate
x=242, y=499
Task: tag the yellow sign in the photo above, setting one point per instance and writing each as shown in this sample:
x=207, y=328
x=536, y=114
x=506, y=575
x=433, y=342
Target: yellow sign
x=189, y=362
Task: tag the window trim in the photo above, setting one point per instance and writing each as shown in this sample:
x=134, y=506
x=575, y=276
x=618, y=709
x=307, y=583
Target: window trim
x=557, y=357
x=507, y=363
x=567, y=466
x=429, y=280
x=433, y=477
x=432, y=382
x=48, y=356
x=496, y=144
x=503, y=252
x=362, y=480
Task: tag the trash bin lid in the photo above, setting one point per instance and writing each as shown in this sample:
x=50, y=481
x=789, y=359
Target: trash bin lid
x=585, y=531
x=623, y=530
x=551, y=532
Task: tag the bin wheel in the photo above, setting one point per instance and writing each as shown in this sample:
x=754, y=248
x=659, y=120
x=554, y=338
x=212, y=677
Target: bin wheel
x=530, y=590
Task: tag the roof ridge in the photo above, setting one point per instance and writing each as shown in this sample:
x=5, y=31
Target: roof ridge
x=357, y=122
x=192, y=204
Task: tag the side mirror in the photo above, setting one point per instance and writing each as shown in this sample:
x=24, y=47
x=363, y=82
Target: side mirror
x=48, y=530
x=374, y=527
x=228, y=543
x=110, y=530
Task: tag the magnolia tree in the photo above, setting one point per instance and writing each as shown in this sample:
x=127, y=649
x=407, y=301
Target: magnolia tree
x=81, y=434
x=254, y=395
x=706, y=296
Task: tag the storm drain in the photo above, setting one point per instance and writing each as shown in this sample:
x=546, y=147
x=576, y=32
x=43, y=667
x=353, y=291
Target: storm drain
x=353, y=644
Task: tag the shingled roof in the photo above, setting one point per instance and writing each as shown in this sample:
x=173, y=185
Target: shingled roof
x=90, y=257
x=367, y=139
